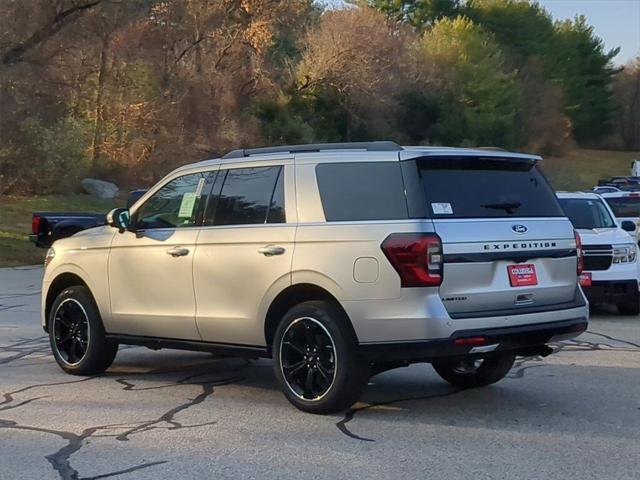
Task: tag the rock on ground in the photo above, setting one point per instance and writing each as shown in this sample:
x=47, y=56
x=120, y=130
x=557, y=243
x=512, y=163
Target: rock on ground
x=99, y=188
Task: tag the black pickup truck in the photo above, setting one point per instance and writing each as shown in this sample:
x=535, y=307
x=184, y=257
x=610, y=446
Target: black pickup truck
x=47, y=227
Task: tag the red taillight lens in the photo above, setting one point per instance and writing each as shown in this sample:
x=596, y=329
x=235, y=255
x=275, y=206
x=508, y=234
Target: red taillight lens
x=417, y=257
x=470, y=341
x=35, y=224
x=579, y=252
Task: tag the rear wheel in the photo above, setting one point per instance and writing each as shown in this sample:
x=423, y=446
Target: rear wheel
x=316, y=359
x=477, y=372
x=76, y=333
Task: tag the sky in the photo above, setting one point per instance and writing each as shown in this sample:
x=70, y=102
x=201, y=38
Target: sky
x=617, y=22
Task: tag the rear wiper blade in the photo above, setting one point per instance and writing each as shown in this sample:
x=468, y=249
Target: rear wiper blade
x=507, y=207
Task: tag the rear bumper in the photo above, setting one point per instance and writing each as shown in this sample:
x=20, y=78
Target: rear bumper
x=522, y=339
x=611, y=291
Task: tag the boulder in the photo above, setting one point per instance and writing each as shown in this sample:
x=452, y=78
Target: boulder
x=99, y=188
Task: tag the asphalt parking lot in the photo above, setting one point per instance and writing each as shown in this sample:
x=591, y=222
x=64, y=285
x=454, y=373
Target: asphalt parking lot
x=168, y=414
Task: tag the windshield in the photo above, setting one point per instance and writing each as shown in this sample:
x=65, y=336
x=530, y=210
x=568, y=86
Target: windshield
x=587, y=213
x=625, y=206
x=482, y=187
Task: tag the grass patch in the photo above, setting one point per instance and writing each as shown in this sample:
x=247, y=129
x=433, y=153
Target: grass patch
x=581, y=169
x=15, y=222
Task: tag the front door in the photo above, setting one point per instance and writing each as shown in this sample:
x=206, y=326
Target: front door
x=151, y=267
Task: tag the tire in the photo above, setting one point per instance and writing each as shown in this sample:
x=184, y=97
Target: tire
x=490, y=370
x=328, y=379
x=76, y=333
x=631, y=307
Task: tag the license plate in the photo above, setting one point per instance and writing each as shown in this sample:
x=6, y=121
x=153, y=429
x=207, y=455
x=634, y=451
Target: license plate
x=522, y=275
x=585, y=279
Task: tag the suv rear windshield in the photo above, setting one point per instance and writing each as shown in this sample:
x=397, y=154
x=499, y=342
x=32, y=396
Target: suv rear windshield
x=587, y=213
x=472, y=187
x=625, y=206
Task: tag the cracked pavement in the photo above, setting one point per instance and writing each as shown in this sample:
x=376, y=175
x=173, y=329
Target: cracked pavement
x=575, y=414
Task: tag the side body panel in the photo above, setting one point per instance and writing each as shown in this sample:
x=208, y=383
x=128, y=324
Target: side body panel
x=347, y=260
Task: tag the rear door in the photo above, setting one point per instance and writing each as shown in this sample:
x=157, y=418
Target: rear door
x=507, y=245
x=245, y=250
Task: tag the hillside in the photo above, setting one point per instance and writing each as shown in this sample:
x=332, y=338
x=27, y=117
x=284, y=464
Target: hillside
x=580, y=169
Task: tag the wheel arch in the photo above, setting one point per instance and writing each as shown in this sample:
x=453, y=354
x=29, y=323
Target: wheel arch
x=58, y=284
x=294, y=295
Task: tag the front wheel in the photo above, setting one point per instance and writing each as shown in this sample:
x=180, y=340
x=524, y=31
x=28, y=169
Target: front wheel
x=76, y=333
x=316, y=359
x=477, y=372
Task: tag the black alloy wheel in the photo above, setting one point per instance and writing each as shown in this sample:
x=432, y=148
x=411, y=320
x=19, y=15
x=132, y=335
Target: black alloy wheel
x=308, y=359
x=77, y=336
x=71, y=331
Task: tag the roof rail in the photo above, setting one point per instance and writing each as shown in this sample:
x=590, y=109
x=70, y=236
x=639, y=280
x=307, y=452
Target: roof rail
x=381, y=146
x=490, y=148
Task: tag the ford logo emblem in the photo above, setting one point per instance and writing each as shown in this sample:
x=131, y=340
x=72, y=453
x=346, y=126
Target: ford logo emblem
x=519, y=228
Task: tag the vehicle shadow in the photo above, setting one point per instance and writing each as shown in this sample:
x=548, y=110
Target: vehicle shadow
x=537, y=394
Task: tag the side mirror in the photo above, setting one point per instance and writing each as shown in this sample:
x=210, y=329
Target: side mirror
x=119, y=218
x=628, y=226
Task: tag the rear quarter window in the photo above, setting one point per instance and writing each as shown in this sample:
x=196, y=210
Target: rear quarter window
x=356, y=191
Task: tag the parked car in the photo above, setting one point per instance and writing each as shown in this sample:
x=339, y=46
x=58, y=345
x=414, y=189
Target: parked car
x=625, y=206
x=47, y=227
x=600, y=189
x=628, y=184
x=611, y=269
x=338, y=261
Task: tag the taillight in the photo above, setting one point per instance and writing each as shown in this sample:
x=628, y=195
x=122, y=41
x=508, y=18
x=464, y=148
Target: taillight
x=417, y=257
x=579, y=252
x=35, y=224
x=470, y=341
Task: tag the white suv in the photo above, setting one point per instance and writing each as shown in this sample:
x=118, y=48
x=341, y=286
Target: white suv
x=611, y=267
x=337, y=260
x=625, y=207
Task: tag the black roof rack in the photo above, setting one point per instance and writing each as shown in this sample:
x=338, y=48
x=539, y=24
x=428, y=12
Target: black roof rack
x=491, y=148
x=382, y=146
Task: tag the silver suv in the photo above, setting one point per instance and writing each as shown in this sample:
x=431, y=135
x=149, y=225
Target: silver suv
x=338, y=261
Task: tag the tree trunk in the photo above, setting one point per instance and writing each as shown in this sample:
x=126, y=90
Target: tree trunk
x=98, y=126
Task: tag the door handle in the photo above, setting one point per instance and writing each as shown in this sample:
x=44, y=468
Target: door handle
x=178, y=251
x=271, y=250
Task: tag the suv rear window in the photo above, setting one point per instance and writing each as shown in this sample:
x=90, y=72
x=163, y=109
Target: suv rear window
x=472, y=187
x=361, y=191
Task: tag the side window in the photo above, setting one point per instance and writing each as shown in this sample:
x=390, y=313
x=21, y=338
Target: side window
x=361, y=191
x=175, y=205
x=249, y=196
